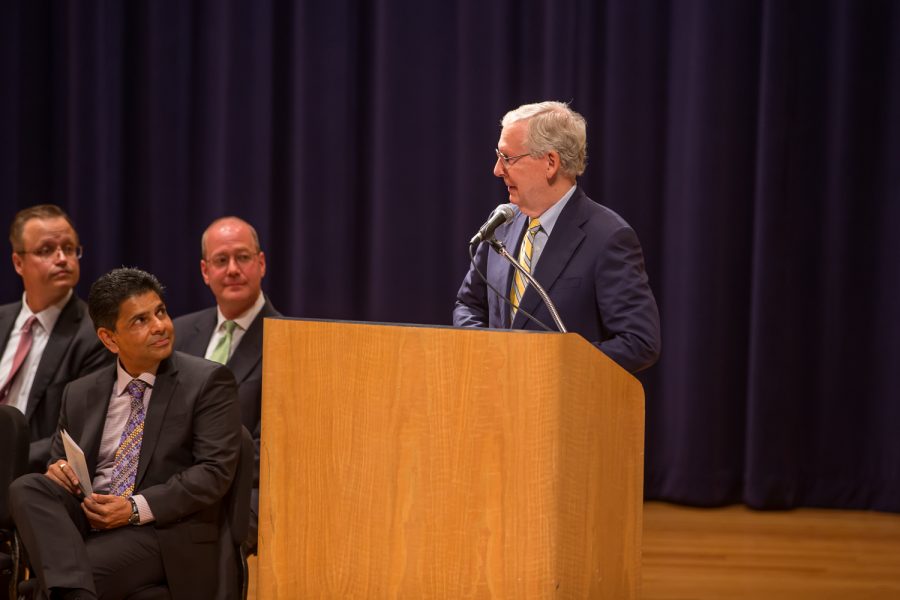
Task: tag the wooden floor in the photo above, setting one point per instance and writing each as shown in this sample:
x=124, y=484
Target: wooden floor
x=734, y=552
x=738, y=553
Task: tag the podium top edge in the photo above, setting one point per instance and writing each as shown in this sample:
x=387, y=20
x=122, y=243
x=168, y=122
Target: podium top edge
x=415, y=325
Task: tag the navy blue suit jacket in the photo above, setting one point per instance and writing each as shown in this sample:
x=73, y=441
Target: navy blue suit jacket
x=592, y=267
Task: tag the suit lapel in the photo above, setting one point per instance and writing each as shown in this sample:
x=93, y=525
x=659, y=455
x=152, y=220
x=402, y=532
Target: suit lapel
x=163, y=390
x=93, y=407
x=249, y=352
x=61, y=337
x=198, y=339
x=7, y=319
x=567, y=236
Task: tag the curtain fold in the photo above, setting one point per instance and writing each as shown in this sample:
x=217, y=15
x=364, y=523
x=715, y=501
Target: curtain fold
x=753, y=146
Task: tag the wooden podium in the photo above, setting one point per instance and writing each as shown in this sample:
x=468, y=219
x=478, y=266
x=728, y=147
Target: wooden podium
x=422, y=462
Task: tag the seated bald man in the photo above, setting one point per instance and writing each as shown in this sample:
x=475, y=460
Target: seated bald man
x=233, y=265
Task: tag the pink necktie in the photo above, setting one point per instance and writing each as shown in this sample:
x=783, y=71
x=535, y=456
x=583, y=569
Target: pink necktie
x=19, y=358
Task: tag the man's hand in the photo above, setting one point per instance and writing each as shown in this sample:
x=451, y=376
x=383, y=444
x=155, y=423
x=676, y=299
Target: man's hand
x=63, y=475
x=106, y=512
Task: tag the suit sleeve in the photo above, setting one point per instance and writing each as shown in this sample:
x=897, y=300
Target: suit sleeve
x=471, y=308
x=54, y=444
x=628, y=310
x=216, y=446
x=38, y=453
x=93, y=355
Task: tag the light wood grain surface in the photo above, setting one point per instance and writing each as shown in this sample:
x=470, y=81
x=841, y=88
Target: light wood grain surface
x=413, y=462
x=734, y=552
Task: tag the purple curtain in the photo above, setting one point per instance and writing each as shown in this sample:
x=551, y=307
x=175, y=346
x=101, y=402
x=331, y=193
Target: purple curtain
x=754, y=146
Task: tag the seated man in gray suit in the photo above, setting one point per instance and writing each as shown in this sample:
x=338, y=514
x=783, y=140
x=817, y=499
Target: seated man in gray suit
x=46, y=339
x=161, y=434
x=233, y=266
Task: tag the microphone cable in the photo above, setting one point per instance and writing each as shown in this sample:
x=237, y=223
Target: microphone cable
x=502, y=296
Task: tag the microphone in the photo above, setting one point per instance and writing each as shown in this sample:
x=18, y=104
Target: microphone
x=501, y=215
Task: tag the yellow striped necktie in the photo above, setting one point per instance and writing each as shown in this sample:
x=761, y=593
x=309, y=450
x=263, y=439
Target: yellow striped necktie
x=525, y=253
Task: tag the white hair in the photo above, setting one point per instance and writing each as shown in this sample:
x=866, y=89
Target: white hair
x=554, y=126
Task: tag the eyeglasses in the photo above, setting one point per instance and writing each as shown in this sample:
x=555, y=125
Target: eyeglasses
x=49, y=252
x=220, y=261
x=509, y=161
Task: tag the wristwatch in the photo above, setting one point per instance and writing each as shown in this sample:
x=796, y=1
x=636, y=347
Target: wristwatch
x=135, y=518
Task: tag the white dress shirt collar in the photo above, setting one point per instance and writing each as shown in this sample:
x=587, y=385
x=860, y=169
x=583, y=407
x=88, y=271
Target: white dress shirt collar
x=244, y=320
x=47, y=317
x=123, y=378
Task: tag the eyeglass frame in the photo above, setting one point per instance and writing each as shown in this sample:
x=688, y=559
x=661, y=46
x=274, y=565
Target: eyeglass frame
x=46, y=253
x=217, y=261
x=509, y=161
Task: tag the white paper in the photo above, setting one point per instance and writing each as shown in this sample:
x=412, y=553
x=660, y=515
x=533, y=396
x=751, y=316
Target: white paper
x=75, y=457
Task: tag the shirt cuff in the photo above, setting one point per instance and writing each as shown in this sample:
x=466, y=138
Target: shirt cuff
x=146, y=515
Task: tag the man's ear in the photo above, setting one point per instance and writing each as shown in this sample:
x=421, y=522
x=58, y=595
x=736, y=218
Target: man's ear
x=552, y=164
x=108, y=338
x=203, y=271
x=17, y=262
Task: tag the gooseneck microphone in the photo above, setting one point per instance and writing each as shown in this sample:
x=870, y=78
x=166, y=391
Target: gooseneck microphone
x=501, y=215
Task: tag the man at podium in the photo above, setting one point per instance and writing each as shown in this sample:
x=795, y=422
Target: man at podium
x=585, y=255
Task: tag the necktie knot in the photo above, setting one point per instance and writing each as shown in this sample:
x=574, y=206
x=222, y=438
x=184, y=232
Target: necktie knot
x=29, y=322
x=229, y=327
x=534, y=225
x=136, y=389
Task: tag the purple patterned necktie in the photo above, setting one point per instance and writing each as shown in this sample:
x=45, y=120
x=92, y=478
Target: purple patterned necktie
x=129, y=451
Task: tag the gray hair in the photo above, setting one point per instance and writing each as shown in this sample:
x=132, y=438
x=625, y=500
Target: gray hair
x=554, y=126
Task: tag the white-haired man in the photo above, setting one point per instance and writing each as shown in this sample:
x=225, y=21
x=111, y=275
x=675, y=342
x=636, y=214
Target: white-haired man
x=585, y=255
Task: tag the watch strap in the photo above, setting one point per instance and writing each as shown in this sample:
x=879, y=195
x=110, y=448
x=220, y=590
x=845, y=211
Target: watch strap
x=135, y=518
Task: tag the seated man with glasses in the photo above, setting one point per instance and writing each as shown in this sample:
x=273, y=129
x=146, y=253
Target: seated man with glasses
x=233, y=265
x=585, y=255
x=46, y=338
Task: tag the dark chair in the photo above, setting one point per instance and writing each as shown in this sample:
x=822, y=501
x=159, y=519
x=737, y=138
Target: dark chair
x=14, y=445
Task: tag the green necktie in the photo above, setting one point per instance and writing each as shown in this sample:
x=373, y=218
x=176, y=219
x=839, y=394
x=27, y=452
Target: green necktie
x=223, y=348
x=519, y=282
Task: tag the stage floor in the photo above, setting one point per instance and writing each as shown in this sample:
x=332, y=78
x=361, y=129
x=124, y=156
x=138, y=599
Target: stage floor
x=734, y=552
